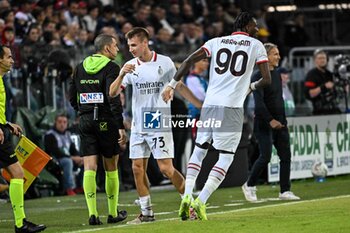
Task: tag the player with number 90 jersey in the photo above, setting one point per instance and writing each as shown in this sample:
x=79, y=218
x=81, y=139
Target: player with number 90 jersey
x=232, y=60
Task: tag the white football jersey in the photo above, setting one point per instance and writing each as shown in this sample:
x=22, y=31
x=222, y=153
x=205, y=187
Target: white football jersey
x=148, y=81
x=232, y=62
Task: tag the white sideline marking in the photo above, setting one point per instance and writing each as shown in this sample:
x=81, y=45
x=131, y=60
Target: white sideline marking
x=6, y=220
x=234, y=204
x=220, y=212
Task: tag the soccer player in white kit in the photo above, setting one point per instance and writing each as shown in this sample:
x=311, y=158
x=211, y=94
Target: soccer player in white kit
x=149, y=73
x=232, y=61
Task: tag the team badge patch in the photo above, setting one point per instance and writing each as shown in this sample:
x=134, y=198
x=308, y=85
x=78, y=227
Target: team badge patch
x=160, y=70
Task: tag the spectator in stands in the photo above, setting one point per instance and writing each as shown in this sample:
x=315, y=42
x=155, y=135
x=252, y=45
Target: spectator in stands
x=70, y=38
x=319, y=86
x=4, y=5
x=26, y=8
x=193, y=34
x=31, y=44
x=32, y=36
x=9, y=17
x=179, y=37
x=90, y=21
x=295, y=34
x=83, y=46
x=289, y=105
x=163, y=36
x=198, y=84
x=159, y=21
x=174, y=15
x=82, y=11
x=62, y=29
x=187, y=13
x=58, y=144
x=218, y=15
x=107, y=19
x=8, y=36
x=39, y=15
x=82, y=39
x=270, y=128
x=142, y=15
x=71, y=14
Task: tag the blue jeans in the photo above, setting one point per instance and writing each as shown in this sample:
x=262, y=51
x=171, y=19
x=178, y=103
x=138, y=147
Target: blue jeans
x=68, y=177
x=267, y=137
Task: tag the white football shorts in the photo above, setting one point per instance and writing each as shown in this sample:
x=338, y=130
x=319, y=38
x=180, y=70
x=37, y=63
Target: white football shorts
x=160, y=144
x=228, y=135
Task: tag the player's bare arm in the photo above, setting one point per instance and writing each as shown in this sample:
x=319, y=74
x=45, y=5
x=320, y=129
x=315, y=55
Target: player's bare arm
x=115, y=87
x=266, y=77
x=184, y=91
x=198, y=55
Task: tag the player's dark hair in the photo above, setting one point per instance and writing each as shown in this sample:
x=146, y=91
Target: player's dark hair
x=140, y=32
x=242, y=20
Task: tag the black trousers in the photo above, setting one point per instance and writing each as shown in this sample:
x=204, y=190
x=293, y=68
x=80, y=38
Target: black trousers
x=267, y=137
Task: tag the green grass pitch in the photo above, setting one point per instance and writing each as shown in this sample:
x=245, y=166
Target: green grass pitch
x=325, y=207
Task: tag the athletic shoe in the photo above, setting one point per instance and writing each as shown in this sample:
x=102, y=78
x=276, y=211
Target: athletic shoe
x=288, y=196
x=184, y=211
x=93, y=220
x=122, y=215
x=249, y=192
x=70, y=192
x=29, y=227
x=79, y=190
x=141, y=218
x=200, y=209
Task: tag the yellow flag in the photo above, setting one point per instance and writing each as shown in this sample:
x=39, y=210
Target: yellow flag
x=32, y=159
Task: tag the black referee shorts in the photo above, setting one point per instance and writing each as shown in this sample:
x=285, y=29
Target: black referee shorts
x=98, y=137
x=7, y=153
